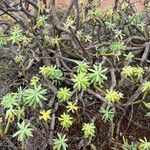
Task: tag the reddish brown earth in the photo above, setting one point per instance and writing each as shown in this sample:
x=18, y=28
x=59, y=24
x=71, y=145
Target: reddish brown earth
x=105, y=4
